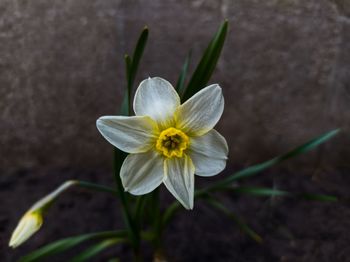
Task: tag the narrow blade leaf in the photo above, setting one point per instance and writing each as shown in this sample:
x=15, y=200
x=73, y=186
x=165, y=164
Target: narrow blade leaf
x=318, y=197
x=65, y=244
x=131, y=66
x=128, y=64
x=260, y=191
x=180, y=86
x=252, y=170
x=137, y=55
x=126, y=104
x=96, y=249
x=207, y=64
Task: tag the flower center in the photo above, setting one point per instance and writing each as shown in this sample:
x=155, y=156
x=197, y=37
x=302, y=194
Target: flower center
x=172, y=142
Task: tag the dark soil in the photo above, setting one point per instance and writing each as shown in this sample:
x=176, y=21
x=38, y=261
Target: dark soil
x=292, y=229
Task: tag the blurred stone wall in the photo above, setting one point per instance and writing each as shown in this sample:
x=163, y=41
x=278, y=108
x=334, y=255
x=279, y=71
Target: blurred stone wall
x=285, y=72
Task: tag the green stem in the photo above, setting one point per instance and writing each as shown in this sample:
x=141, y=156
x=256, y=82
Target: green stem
x=133, y=231
x=139, y=210
x=96, y=187
x=157, y=226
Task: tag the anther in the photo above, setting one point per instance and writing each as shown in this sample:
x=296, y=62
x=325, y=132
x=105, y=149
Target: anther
x=167, y=143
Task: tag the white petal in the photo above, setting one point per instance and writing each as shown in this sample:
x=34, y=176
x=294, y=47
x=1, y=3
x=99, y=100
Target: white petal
x=209, y=153
x=132, y=134
x=201, y=112
x=142, y=173
x=27, y=226
x=156, y=97
x=180, y=179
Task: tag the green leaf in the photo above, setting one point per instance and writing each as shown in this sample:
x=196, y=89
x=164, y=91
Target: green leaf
x=126, y=104
x=96, y=249
x=241, y=224
x=128, y=64
x=180, y=85
x=131, y=67
x=252, y=170
x=67, y=243
x=260, y=191
x=137, y=55
x=207, y=64
x=318, y=197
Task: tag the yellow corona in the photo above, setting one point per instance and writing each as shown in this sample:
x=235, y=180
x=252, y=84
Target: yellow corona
x=172, y=142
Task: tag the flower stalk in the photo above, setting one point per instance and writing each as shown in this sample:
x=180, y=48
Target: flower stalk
x=132, y=228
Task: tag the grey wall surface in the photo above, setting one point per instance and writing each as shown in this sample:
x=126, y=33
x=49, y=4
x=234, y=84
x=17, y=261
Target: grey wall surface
x=285, y=72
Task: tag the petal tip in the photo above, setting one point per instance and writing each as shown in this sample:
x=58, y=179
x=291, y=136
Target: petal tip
x=215, y=86
x=11, y=244
x=99, y=121
x=187, y=206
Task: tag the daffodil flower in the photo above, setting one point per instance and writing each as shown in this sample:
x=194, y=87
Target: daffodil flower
x=168, y=141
